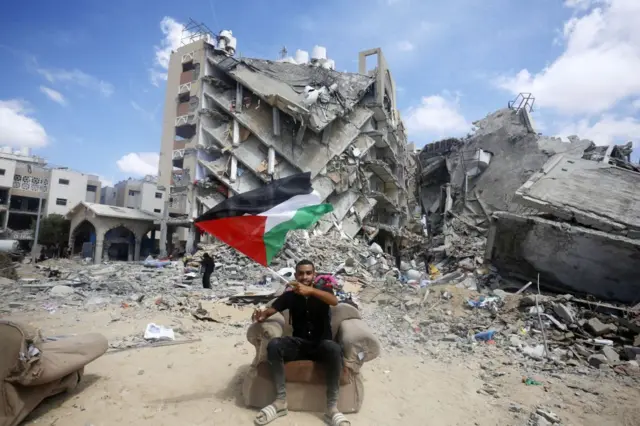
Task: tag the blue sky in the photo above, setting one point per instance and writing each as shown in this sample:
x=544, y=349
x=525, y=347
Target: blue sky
x=78, y=76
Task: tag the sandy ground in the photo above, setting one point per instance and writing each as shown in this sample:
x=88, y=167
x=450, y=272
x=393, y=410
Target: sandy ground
x=199, y=383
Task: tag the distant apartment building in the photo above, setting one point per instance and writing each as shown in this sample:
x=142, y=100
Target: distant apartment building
x=233, y=124
x=141, y=194
x=26, y=182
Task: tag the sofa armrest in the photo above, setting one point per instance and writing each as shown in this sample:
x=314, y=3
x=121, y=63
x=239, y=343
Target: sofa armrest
x=359, y=343
x=64, y=356
x=260, y=333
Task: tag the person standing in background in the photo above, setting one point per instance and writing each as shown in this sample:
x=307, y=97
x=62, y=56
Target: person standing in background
x=208, y=265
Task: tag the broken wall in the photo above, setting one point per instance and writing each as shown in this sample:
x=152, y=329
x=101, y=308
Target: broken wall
x=516, y=155
x=591, y=193
x=568, y=258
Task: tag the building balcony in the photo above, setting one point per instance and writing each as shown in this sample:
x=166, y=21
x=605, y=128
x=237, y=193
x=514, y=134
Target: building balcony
x=188, y=57
x=178, y=203
x=180, y=178
x=385, y=201
x=184, y=91
x=177, y=154
x=186, y=126
x=384, y=172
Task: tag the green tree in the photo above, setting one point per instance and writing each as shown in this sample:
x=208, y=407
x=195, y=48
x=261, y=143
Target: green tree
x=54, y=229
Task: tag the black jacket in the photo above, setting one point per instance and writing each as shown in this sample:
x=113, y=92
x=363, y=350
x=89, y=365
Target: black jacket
x=208, y=264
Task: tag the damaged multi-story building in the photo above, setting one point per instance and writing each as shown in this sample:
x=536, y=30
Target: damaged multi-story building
x=566, y=212
x=29, y=186
x=232, y=124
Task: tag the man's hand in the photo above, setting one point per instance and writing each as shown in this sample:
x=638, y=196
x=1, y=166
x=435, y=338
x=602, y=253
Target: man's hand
x=259, y=315
x=301, y=289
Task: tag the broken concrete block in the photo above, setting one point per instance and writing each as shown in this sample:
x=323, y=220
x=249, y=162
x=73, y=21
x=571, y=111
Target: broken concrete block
x=633, y=366
x=564, y=312
x=591, y=262
x=598, y=328
x=535, y=352
x=582, y=351
x=61, y=291
x=537, y=420
x=611, y=354
x=467, y=264
x=405, y=266
x=597, y=359
x=548, y=415
x=530, y=300
x=375, y=248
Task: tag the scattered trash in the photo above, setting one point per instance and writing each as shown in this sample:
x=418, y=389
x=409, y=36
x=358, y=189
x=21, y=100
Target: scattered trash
x=484, y=336
x=531, y=382
x=158, y=332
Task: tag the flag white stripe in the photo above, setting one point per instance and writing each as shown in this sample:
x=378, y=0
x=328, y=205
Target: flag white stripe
x=285, y=211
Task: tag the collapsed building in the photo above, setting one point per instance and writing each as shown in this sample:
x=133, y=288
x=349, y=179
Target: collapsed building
x=568, y=211
x=233, y=124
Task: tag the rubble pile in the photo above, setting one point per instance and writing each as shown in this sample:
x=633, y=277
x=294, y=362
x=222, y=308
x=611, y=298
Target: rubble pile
x=7, y=268
x=452, y=321
x=516, y=204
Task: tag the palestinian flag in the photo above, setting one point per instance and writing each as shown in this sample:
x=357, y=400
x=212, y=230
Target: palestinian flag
x=256, y=222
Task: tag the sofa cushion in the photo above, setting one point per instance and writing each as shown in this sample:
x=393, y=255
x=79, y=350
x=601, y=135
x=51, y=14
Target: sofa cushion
x=305, y=371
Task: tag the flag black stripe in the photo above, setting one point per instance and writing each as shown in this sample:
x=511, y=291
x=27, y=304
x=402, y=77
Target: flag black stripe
x=261, y=199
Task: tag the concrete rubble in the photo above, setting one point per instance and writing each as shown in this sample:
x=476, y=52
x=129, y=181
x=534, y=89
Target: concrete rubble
x=520, y=205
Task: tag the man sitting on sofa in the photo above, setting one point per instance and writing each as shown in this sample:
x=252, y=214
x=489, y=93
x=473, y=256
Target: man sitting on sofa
x=311, y=340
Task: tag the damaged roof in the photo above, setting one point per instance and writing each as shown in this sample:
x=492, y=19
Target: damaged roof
x=113, y=211
x=283, y=84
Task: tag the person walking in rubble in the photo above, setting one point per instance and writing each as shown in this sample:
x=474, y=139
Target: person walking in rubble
x=312, y=340
x=208, y=265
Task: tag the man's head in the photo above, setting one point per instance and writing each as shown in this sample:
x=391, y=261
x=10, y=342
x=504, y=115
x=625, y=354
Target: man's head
x=305, y=272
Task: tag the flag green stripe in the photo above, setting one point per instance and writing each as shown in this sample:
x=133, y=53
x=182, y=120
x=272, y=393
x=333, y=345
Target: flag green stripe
x=304, y=218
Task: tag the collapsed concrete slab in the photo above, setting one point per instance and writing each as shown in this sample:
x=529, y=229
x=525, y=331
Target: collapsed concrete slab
x=594, y=194
x=568, y=258
x=516, y=154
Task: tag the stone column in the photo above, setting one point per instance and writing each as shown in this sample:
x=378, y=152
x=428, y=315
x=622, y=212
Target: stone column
x=136, y=252
x=191, y=239
x=97, y=256
x=72, y=242
x=163, y=229
x=130, y=252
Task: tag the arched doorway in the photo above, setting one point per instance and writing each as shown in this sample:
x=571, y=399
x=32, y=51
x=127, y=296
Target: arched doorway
x=83, y=239
x=119, y=244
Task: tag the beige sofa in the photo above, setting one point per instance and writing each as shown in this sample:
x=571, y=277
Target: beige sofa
x=33, y=368
x=306, y=389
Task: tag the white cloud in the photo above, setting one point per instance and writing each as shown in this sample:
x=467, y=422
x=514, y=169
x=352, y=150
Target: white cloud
x=78, y=78
x=437, y=116
x=18, y=128
x=139, y=163
x=606, y=130
x=173, y=32
x=157, y=76
x=104, y=181
x=54, y=95
x=405, y=46
x=580, y=4
x=600, y=64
